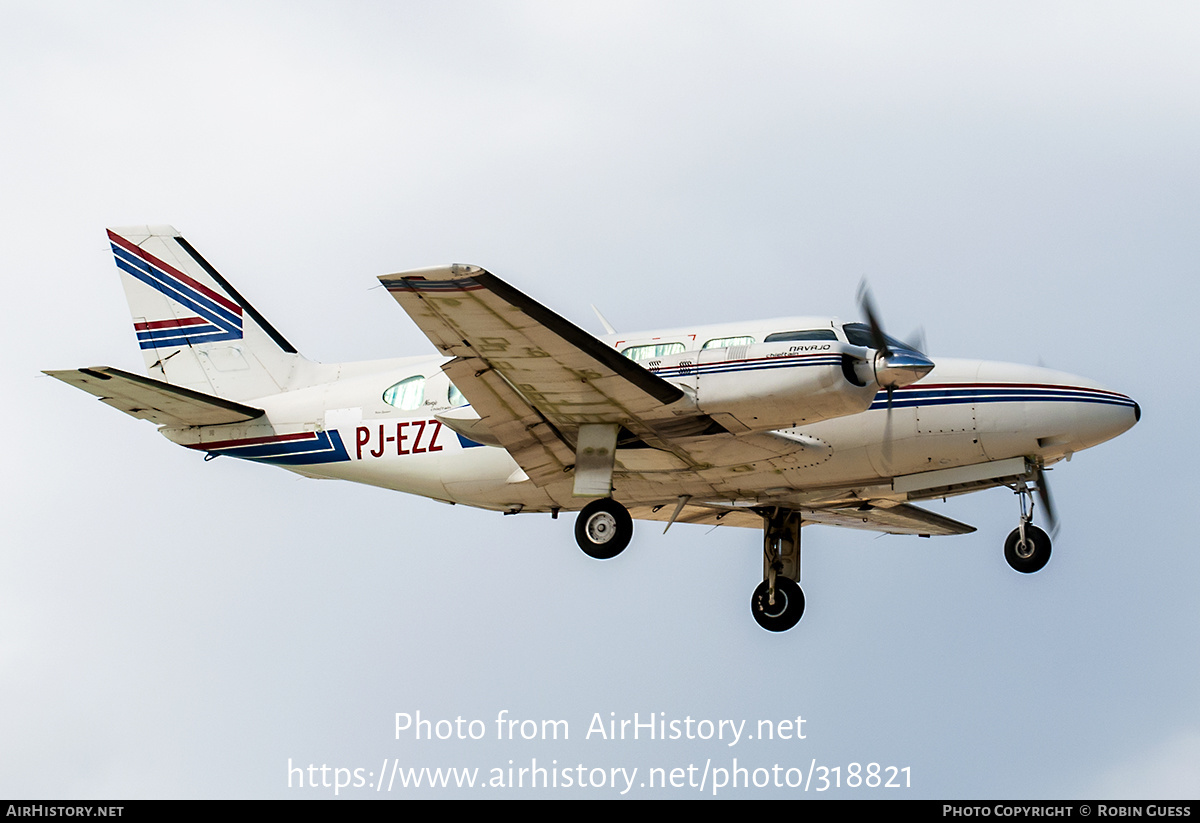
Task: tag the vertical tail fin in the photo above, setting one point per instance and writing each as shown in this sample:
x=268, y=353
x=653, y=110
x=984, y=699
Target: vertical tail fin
x=193, y=327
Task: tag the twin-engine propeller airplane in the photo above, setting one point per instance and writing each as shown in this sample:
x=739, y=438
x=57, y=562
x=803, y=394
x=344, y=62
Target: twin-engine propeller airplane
x=773, y=424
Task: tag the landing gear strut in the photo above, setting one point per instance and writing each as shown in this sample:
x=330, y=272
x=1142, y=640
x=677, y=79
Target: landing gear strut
x=1027, y=548
x=778, y=602
x=603, y=529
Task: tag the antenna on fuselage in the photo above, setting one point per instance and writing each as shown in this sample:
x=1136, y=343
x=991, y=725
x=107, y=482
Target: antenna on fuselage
x=608, y=328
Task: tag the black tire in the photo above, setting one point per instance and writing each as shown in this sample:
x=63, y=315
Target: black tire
x=1033, y=555
x=603, y=529
x=788, y=607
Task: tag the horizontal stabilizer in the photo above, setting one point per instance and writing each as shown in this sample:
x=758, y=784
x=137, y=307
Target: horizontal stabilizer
x=153, y=400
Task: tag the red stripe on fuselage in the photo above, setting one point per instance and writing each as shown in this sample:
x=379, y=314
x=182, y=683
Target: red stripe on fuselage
x=253, y=441
x=1046, y=386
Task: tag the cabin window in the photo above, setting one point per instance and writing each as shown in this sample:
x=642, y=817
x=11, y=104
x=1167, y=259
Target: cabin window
x=652, y=352
x=456, y=397
x=806, y=334
x=408, y=394
x=727, y=342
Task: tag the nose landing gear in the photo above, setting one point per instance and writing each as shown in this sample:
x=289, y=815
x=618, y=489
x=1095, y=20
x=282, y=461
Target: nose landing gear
x=1027, y=548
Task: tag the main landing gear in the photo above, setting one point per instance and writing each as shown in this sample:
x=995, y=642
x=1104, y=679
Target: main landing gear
x=778, y=601
x=603, y=529
x=1027, y=548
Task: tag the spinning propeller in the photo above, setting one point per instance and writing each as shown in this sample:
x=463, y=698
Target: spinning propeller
x=1043, y=492
x=895, y=364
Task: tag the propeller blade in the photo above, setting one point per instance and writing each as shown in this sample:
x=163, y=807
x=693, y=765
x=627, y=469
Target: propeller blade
x=893, y=369
x=868, y=308
x=887, y=431
x=1043, y=490
x=916, y=340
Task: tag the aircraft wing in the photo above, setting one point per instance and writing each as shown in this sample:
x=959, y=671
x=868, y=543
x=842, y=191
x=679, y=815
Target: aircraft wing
x=902, y=519
x=533, y=377
x=154, y=400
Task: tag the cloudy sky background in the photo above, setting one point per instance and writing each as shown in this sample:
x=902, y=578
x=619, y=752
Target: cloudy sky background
x=1020, y=180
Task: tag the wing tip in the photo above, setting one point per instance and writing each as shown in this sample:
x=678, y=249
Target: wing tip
x=453, y=271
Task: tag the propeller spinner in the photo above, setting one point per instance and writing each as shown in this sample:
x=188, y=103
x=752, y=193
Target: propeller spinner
x=896, y=365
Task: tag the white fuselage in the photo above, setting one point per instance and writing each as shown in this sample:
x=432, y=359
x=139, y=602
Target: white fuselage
x=965, y=412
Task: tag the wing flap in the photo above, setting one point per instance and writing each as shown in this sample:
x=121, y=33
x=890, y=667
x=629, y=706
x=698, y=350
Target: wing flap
x=902, y=519
x=154, y=400
x=536, y=445
x=701, y=514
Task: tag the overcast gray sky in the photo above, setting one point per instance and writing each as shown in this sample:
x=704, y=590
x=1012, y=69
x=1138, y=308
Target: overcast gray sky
x=1019, y=179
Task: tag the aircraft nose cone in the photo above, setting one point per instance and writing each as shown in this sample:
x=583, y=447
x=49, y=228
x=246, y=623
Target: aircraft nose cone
x=1106, y=415
x=1035, y=410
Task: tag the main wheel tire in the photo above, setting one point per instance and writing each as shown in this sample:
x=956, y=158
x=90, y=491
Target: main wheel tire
x=603, y=529
x=787, y=609
x=1031, y=555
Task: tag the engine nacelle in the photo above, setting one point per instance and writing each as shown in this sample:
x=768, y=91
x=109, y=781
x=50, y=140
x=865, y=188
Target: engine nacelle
x=770, y=386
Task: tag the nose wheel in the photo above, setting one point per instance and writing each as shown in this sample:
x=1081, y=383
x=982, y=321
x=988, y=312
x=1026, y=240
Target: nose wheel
x=1028, y=552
